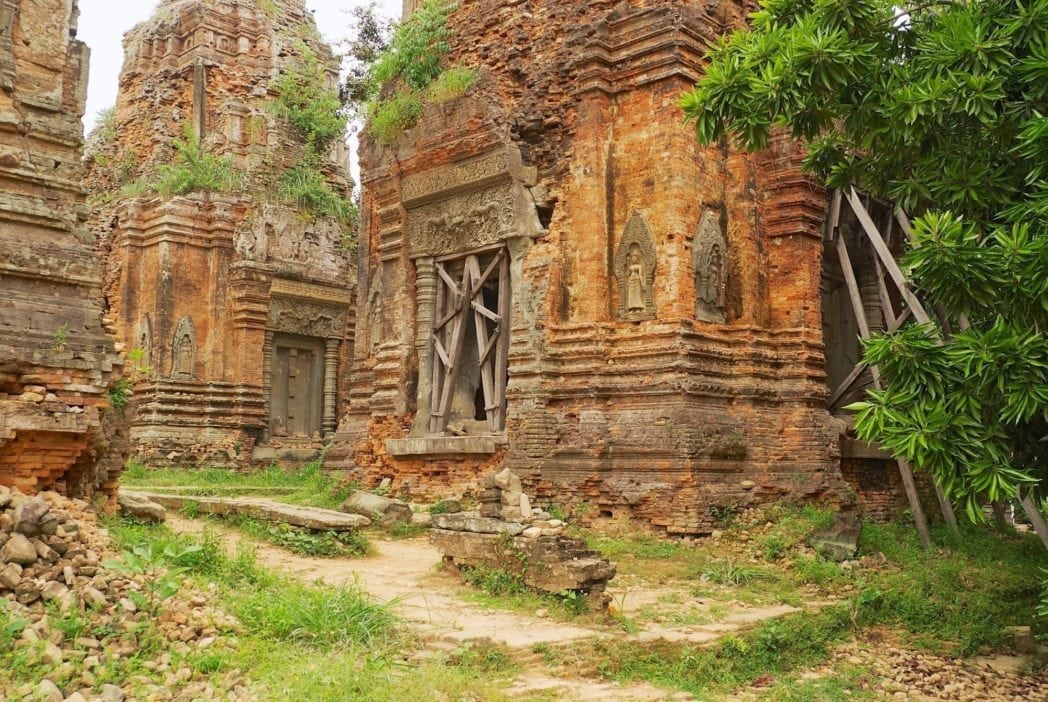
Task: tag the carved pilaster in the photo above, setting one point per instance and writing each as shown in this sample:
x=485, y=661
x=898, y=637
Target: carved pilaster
x=330, y=386
x=267, y=373
x=425, y=303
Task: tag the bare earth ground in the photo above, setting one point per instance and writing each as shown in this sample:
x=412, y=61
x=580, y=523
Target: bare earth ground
x=406, y=572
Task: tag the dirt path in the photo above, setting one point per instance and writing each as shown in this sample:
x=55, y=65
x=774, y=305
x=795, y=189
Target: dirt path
x=405, y=572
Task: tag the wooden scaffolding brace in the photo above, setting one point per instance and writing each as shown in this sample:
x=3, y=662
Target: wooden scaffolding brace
x=885, y=262
x=455, y=299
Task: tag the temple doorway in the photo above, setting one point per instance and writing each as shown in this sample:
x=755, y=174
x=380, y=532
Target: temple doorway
x=471, y=343
x=297, y=400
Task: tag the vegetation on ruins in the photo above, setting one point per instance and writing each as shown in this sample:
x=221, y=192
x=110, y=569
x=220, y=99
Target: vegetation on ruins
x=195, y=169
x=940, y=108
x=396, y=70
x=313, y=109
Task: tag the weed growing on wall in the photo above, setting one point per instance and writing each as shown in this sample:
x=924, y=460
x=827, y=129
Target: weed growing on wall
x=313, y=108
x=194, y=169
x=401, y=76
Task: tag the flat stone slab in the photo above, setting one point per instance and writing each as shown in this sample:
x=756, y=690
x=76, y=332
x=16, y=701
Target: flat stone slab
x=307, y=517
x=465, y=521
x=444, y=445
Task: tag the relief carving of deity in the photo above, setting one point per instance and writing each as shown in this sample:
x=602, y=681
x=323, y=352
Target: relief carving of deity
x=635, y=270
x=710, y=264
x=183, y=351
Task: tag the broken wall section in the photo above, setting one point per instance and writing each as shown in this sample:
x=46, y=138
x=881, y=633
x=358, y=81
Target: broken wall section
x=58, y=361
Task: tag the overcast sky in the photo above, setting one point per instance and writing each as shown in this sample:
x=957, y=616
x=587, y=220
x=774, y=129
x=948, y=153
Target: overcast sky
x=103, y=23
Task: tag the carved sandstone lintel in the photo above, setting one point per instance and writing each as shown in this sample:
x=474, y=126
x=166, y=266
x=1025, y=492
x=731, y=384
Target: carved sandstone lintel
x=308, y=318
x=308, y=291
x=502, y=165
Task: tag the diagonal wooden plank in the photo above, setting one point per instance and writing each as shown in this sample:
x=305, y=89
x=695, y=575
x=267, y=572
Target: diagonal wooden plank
x=886, y=257
x=487, y=378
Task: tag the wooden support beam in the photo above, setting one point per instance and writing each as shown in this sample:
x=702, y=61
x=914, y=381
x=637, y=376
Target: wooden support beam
x=886, y=257
x=915, y=503
x=1036, y=518
x=946, y=507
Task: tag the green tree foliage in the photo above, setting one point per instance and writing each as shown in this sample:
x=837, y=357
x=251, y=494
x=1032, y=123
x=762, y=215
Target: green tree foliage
x=940, y=107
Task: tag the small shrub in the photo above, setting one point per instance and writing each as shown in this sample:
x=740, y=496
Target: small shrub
x=388, y=119
x=157, y=566
x=305, y=99
x=729, y=573
x=450, y=85
x=61, y=337
x=305, y=185
x=194, y=169
x=120, y=393
x=494, y=581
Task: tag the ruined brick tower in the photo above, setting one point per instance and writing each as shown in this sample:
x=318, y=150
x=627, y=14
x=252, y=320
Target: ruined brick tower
x=558, y=279
x=237, y=303
x=57, y=362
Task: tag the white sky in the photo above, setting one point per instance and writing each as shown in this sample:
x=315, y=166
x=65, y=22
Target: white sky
x=103, y=23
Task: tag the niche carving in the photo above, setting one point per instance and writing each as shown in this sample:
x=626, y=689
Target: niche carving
x=144, y=341
x=374, y=321
x=709, y=255
x=183, y=350
x=635, y=270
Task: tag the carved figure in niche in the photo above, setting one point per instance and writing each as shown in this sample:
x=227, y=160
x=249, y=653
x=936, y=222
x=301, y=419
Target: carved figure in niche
x=709, y=261
x=635, y=281
x=144, y=344
x=374, y=321
x=635, y=270
x=183, y=351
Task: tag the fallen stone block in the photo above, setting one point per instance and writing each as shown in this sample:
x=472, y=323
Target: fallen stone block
x=306, y=517
x=472, y=523
x=553, y=564
x=838, y=543
x=141, y=508
x=383, y=509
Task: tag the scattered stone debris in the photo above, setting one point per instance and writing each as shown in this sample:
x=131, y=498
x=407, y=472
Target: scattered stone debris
x=53, y=563
x=509, y=534
x=296, y=515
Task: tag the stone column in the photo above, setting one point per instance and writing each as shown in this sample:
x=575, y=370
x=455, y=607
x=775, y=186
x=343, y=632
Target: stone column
x=330, y=386
x=267, y=375
x=425, y=301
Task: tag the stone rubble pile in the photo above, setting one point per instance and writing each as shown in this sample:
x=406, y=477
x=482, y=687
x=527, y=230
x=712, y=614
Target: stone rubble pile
x=507, y=533
x=53, y=571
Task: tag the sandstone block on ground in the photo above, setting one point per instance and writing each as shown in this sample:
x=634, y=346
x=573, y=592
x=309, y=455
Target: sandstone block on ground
x=141, y=508
x=472, y=523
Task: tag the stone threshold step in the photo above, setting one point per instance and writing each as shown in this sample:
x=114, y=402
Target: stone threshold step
x=308, y=517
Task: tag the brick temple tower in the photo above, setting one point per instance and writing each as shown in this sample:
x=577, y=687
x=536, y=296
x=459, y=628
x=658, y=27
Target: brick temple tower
x=557, y=278
x=238, y=304
x=58, y=362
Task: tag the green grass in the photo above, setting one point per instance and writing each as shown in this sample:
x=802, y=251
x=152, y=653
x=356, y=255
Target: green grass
x=304, y=542
x=309, y=485
x=317, y=642
x=775, y=648
x=499, y=589
x=843, y=685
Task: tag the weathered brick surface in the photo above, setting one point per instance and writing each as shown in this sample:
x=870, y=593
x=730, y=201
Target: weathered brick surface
x=666, y=402
x=229, y=270
x=57, y=357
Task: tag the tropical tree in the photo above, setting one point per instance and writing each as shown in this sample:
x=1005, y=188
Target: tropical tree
x=939, y=107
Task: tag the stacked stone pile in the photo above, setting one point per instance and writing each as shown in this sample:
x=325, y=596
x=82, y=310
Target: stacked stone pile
x=507, y=533
x=52, y=567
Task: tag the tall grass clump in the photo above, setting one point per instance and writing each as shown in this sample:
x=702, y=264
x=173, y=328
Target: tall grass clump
x=194, y=169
